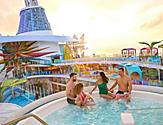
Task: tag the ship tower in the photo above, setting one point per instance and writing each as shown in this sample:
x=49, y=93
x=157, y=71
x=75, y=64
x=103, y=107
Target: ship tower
x=33, y=20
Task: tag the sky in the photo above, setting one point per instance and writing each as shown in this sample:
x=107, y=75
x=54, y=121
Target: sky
x=108, y=25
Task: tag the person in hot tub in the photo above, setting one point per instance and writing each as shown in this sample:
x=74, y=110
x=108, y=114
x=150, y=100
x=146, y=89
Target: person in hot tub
x=101, y=83
x=124, y=85
x=70, y=86
x=83, y=99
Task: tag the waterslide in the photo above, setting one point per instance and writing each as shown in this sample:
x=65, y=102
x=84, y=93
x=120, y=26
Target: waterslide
x=10, y=83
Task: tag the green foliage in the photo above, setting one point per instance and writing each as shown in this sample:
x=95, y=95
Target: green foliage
x=151, y=45
x=0, y=94
x=151, y=73
x=10, y=83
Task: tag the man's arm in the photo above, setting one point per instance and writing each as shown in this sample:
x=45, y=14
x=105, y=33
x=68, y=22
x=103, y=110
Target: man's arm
x=113, y=86
x=129, y=86
x=78, y=103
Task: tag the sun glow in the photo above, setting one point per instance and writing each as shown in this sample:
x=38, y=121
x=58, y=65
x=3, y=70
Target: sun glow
x=104, y=22
x=100, y=25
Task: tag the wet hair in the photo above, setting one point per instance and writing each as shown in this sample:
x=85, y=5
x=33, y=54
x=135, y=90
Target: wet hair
x=78, y=88
x=122, y=69
x=104, y=78
x=72, y=74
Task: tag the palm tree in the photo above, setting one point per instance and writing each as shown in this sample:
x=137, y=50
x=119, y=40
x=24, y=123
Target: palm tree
x=151, y=45
x=15, y=53
x=160, y=46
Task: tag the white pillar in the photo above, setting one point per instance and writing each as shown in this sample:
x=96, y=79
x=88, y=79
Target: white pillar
x=36, y=89
x=44, y=92
x=30, y=88
x=34, y=92
x=158, y=74
x=40, y=92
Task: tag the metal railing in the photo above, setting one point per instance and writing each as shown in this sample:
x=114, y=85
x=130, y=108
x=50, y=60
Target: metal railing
x=139, y=59
x=25, y=117
x=149, y=60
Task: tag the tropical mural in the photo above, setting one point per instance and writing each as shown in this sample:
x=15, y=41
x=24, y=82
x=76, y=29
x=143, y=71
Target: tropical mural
x=15, y=54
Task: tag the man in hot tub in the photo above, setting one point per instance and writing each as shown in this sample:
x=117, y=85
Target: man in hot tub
x=124, y=85
x=70, y=86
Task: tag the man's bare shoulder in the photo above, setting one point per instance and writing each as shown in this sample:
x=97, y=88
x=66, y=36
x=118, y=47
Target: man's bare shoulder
x=127, y=77
x=68, y=83
x=117, y=78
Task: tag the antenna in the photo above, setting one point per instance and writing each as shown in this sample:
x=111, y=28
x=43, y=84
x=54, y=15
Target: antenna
x=30, y=3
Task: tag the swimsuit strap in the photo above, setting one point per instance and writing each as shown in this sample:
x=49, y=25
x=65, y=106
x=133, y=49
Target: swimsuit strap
x=83, y=97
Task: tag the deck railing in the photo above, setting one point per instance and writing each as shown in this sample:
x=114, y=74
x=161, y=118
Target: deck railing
x=149, y=60
x=25, y=117
x=138, y=59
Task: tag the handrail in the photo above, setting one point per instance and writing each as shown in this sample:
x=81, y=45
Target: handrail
x=24, y=117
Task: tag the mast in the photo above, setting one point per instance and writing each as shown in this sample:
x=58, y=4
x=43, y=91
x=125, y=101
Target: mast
x=30, y=3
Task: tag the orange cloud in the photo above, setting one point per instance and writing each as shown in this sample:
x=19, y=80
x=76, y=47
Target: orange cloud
x=153, y=22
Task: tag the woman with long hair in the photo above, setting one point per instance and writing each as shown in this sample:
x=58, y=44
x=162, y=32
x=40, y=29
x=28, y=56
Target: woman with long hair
x=101, y=83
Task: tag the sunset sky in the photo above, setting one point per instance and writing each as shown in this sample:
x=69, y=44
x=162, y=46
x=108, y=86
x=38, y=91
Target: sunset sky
x=109, y=25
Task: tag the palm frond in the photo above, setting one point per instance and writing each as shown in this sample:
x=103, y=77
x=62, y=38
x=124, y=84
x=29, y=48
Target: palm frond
x=160, y=46
x=144, y=43
x=39, y=54
x=36, y=50
x=30, y=44
x=1, y=61
x=31, y=48
x=154, y=43
x=15, y=53
x=1, y=54
x=2, y=69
